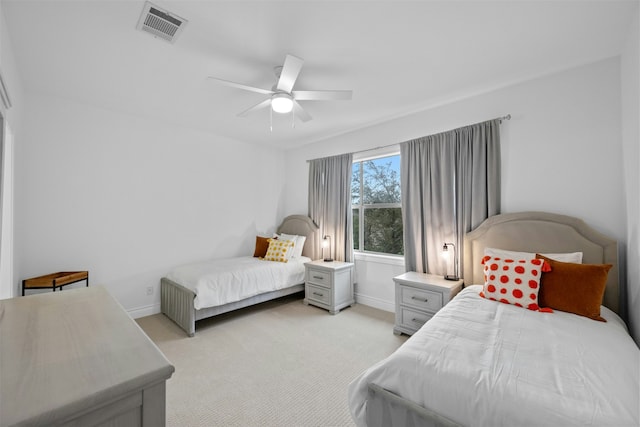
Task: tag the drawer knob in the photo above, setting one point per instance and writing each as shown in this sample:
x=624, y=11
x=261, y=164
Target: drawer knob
x=420, y=299
x=318, y=294
x=317, y=277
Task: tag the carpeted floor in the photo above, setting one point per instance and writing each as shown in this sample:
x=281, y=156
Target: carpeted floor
x=280, y=363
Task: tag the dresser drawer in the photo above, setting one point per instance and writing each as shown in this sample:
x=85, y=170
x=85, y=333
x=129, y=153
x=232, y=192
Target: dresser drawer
x=421, y=298
x=318, y=294
x=319, y=277
x=413, y=319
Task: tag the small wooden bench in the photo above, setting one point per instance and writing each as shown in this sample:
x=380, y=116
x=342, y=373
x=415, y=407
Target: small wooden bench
x=55, y=280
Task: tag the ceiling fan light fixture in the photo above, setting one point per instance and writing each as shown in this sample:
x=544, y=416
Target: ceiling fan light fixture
x=282, y=103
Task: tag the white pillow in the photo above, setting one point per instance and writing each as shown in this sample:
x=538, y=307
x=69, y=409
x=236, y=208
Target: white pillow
x=298, y=243
x=573, y=257
x=297, y=252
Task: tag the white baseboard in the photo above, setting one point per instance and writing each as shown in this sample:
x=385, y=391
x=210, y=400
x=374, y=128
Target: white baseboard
x=360, y=299
x=376, y=303
x=144, y=311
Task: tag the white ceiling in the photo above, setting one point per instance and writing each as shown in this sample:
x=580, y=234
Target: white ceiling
x=397, y=57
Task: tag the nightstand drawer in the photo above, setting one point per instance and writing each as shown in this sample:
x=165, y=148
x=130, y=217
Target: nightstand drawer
x=319, y=294
x=421, y=298
x=413, y=319
x=319, y=277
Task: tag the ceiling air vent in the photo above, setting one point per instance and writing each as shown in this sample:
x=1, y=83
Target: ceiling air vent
x=160, y=23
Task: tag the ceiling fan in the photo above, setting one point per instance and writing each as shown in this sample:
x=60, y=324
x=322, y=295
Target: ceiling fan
x=282, y=98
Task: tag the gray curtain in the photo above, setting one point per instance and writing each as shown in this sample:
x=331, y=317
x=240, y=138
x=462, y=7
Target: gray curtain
x=2, y=179
x=330, y=203
x=450, y=184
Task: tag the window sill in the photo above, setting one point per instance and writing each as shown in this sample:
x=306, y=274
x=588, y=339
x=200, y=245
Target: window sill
x=379, y=258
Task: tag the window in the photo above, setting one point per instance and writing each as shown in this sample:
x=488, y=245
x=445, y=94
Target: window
x=376, y=206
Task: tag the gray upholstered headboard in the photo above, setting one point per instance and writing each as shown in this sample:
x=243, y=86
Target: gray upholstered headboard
x=542, y=232
x=301, y=225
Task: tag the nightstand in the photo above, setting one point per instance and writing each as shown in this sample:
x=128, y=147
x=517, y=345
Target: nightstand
x=418, y=297
x=329, y=285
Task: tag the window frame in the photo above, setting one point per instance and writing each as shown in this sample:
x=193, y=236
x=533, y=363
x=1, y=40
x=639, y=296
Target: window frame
x=394, y=152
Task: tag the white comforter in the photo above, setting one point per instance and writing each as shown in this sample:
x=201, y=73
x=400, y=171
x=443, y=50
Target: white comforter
x=484, y=363
x=222, y=281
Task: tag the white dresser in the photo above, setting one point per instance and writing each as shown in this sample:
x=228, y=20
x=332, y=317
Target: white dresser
x=329, y=285
x=418, y=297
x=76, y=358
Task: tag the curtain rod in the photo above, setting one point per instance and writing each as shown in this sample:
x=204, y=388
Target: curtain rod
x=507, y=117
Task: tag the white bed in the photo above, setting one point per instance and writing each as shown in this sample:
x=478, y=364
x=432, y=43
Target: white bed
x=200, y=290
x=483, y=363
x=222, y=281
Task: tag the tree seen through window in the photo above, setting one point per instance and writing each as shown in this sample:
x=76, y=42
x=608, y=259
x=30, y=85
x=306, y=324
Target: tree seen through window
x=377, y=209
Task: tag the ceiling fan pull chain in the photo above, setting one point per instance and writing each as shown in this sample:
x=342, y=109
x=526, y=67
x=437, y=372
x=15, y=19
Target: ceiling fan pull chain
x=293, y=118
x=271, y=119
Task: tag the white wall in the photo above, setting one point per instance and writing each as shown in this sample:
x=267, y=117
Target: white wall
x=128, y=198
x=561, y=152
x=630, y=73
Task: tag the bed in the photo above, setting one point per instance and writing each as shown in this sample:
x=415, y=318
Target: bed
x=243, y=281
x=480, y=362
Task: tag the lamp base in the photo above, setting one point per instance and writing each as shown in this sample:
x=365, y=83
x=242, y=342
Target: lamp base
x=328, y=260
x=451, y=277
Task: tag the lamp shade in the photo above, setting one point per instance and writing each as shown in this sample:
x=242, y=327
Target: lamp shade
x=326, y=245
x=282, y=103
x=445, y=251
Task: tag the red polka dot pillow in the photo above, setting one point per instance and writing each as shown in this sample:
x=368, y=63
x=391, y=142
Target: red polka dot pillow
x=513, y=281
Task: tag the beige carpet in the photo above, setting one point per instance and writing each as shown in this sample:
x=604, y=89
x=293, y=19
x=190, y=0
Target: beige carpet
x=280, y=363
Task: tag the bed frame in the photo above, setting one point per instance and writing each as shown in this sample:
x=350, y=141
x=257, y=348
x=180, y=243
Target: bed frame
x=543, y=232
x=176, y=301
x=522, y=231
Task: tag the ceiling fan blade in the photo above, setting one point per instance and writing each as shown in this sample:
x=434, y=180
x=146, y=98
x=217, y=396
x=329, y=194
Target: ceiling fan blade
x=262, y=104
x=241, y=86
x=289, y=74
x=300, y=112
x=322, y=95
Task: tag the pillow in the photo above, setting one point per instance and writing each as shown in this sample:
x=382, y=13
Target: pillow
x=262, y=244
x=574, y=288
x=297, y=253
x=279, y=250
x=575, y=257
x=298, y=243
x=512, y=281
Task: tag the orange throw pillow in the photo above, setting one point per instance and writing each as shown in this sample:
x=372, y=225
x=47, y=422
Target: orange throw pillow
x=262, y=244
x=574, y=288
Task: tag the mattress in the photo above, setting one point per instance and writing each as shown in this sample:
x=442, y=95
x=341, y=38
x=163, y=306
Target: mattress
x=223, y=281
x=479, y=362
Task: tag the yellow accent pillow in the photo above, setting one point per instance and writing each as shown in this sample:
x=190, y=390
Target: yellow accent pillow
x=279, y=250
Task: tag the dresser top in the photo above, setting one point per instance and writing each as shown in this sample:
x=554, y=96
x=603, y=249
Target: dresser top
x=329, y=265
x=413, y=277
x=64, y=351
